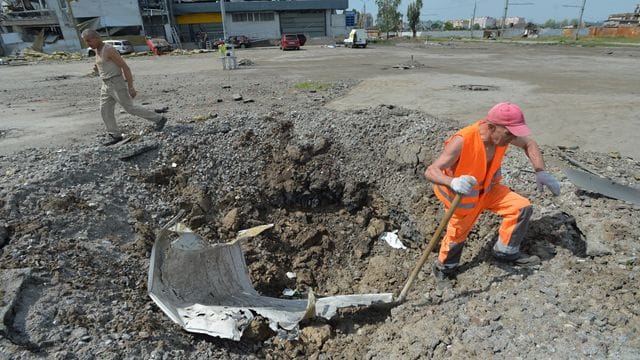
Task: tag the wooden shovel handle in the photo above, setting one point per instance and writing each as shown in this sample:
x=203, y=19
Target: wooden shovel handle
x=427, y=251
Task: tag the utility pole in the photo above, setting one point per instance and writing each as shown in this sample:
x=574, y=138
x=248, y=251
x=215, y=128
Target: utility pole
x=504, y=17
x=364, y=14
x=575, y=37
x=473, y=19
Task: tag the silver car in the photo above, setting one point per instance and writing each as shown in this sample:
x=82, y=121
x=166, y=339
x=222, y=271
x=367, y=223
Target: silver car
x=123, y=46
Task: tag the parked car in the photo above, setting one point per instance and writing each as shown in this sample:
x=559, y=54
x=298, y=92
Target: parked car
x=357, y=38
x=289, y=41
x=302, y=38
x=158, y=46
x=123, y=46
x=238, y=41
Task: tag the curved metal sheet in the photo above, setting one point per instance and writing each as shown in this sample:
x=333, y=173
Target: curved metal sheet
x=207, y=288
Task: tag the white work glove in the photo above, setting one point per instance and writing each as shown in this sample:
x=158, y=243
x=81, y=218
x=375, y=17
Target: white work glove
x=463, y=184
x=544, y=178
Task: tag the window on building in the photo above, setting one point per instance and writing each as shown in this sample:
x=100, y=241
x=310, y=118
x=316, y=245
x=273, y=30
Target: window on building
x=267, y=17
x=253, y=17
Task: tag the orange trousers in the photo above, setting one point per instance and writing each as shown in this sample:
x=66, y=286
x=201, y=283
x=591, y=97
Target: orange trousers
x=515, y=211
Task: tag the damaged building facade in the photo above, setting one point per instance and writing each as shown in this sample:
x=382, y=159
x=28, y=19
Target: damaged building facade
x=55, y=25
x=620, y=25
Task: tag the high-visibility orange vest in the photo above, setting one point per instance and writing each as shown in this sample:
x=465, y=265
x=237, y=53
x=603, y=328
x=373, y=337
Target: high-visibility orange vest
x=472, y=162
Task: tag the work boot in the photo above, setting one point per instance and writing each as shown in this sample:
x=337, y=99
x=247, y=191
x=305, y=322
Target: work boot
x=160, y=123
x=112, y=139
x=519, y=259
x=444, y=277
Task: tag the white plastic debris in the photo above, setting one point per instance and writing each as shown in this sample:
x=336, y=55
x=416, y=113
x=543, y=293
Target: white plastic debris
x=291, y=275
x=289, y=292
x=392, y=239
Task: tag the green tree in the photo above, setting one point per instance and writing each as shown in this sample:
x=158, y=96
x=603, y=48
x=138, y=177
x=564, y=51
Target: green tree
x=476, y=27
x=437, y=25
x=574, y=22
x=550, y=24
x=563, y=23
x=389, y=19
x=448, y=26
x=413, y=14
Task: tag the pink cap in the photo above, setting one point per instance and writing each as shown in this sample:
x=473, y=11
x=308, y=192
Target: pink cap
x=510, y=116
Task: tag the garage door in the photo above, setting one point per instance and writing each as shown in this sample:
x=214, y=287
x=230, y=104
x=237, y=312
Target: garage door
x=312, y=23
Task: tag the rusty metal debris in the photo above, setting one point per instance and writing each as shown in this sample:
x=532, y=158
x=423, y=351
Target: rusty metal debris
x=603, y=186
x=207, y=289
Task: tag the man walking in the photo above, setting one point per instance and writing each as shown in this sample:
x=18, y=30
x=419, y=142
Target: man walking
x=116, y=88
x=470, y=165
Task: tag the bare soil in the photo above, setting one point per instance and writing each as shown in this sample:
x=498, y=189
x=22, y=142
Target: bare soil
x=331, y=169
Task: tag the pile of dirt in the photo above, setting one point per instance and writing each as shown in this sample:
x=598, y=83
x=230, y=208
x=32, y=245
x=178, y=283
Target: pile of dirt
x=83, y=221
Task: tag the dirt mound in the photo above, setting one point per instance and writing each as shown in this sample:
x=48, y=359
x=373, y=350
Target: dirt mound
x=83, y=220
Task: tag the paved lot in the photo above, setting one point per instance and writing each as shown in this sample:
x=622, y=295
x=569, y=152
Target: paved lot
x=585, y=97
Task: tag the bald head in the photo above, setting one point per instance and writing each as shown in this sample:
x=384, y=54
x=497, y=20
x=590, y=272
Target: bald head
x=90, y=34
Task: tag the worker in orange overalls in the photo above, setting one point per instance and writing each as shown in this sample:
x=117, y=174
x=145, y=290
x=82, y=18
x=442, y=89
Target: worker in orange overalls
x=470, y=164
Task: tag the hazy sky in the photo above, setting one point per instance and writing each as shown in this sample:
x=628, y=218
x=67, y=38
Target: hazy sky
x=540, y=11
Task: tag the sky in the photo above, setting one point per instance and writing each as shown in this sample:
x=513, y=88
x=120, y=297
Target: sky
x=539, y=12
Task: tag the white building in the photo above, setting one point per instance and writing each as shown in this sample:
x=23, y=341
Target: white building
x=485, y=22
x=513, y=22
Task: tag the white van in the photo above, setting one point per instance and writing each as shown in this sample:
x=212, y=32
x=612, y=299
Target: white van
x=357, y=38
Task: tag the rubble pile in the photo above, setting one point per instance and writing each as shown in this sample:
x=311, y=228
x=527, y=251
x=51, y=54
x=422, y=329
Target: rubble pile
x=30, y=54
x=83, y=221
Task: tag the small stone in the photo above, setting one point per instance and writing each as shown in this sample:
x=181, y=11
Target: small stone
x=375, y=228
x=237, y=97
x=316, y=334
x=230, y=220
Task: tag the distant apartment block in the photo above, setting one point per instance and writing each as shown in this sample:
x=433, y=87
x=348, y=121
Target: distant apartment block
x=460, y=24
x=485, y=22
x=513, y=22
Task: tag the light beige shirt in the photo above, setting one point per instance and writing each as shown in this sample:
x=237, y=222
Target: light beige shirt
x=107, y=69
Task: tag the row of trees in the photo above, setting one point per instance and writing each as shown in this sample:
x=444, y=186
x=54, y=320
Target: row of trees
x=390, y=19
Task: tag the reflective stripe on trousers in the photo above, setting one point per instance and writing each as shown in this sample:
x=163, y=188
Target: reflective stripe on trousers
x=515, y=211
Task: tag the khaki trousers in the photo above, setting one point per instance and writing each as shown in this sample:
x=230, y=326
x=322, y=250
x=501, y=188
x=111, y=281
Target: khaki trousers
x=114, y=90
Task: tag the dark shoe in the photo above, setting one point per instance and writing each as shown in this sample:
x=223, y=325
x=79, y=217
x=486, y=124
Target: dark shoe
x=160, y=124
x=444, y=277
x=112, y=139
x=519, y=259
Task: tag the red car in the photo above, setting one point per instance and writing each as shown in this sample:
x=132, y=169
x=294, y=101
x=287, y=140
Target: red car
x=302, y=38
x=290, y=41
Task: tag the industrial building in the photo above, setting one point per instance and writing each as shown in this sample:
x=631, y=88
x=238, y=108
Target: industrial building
x=57, y=23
